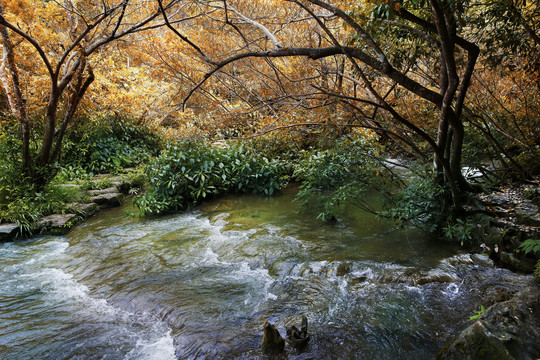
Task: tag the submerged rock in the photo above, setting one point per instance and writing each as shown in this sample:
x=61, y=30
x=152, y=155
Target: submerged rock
x=507, y=330
x=344, y=268
x=272, y=340
x=436, y=276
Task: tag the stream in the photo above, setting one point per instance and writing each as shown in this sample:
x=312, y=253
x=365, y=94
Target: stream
x=199, y=285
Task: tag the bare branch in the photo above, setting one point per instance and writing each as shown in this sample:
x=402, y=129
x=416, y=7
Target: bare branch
x=264, y=29
x=177, y=33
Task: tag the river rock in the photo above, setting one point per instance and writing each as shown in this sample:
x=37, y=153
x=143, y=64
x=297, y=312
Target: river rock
x=8, y=231
x=482, y=260
x=86, y=209
x=106, y=200
x=119, y=183
x=527, y=214
x=514, y=263
x=358, y=279
x=272, y=340
x=436, y=276
x=462, y=259
x=56, y=220
x=507, y=330
x=57, y=223
x=344, y=268
x=109, y=190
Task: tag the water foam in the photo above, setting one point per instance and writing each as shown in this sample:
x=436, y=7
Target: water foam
x=160, y=349
x=36, y=284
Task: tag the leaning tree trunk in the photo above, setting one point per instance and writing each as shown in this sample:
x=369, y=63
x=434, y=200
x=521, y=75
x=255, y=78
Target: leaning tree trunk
x=79, y=89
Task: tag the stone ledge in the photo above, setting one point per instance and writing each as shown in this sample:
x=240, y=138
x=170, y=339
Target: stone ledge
x=108, y=200
x=84, y=209
x=507, y=330
x=55, y=220
x=110, y=190
x=8, y=231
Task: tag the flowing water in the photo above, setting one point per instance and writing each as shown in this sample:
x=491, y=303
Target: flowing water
x=199, y=285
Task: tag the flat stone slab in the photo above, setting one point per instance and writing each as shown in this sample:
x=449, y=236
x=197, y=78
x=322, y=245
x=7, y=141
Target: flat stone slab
x=110, y=190
x=7, y=231
x=72, y=186
x=108, y=199
x=55, y=221
x=86, y=209
x=481, y=259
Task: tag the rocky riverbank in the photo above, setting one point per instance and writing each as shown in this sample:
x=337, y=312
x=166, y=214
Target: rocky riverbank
x=507, y=330
x=515, y=219
x=102, y=192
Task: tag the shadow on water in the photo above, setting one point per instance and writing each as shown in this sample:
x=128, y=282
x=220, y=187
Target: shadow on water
x=199, y=285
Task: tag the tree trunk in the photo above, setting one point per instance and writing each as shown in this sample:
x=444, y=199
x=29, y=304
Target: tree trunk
x=78, y=93
x=50, y=127
x=9, y=76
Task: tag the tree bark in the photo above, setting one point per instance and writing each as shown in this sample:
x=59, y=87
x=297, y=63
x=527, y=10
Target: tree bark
x=9, y=76
x=78, y=93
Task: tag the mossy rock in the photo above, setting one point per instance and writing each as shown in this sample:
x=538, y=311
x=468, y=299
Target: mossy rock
x=107, y=200
x=57, y=224
x=475, y=343
x=8, y=231
x=511, y=261
x=507, y=330
x=528, y=216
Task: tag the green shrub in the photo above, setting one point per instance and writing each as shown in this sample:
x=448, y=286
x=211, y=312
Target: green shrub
x=532, y=246
x=14, y=186
x=279, y=146
x=190, y=171
x=352, y=170
x=109, y=144
x=420, y=203
x=23, y=201
x=340, y=175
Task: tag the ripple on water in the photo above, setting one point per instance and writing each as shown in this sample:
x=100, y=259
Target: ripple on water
x=198, y=285
x=47, y=314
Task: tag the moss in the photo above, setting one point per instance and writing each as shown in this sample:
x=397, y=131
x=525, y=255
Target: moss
x=504, y=296
x=480, y=345
x=444, y=350
x=475, y=344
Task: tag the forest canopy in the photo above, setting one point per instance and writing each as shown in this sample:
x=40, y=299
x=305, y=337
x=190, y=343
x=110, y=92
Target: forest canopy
x=454, y=83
